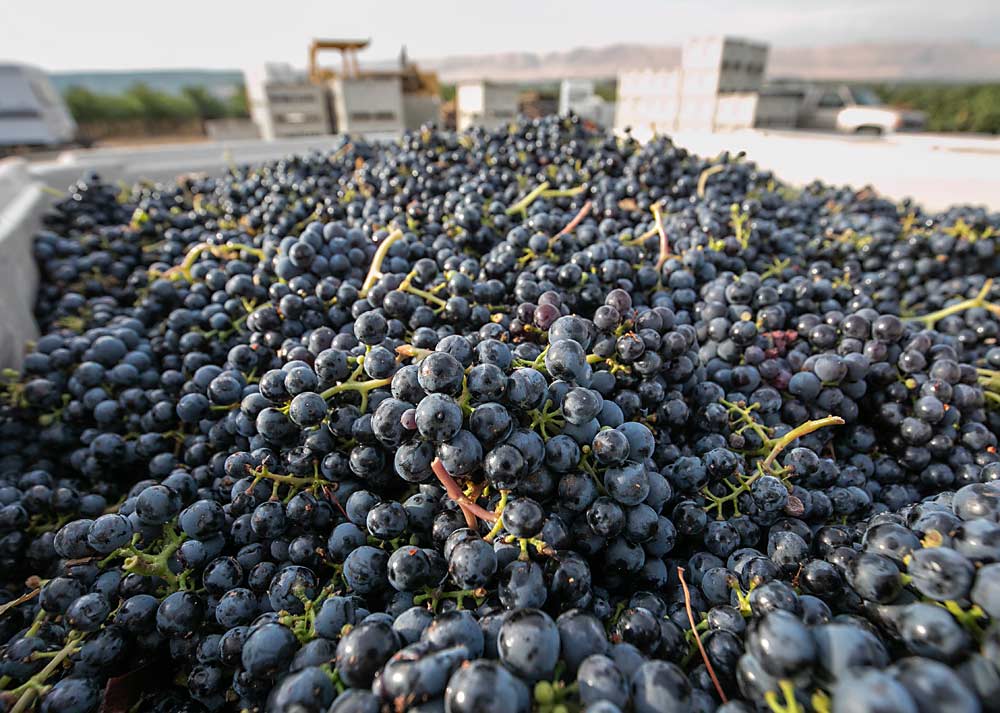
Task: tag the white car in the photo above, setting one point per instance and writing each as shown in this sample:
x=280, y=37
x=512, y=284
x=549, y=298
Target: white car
x=855, y=111
x=31, y=111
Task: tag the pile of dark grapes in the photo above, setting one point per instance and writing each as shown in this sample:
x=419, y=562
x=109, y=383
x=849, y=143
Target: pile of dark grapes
x=533, y=420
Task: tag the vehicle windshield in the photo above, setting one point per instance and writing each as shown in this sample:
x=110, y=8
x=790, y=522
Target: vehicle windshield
x=865, y=97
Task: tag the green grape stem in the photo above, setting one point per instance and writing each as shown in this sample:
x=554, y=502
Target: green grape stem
x=522, y=205
x=352, y=384
x=184, y=269
x=375, y=270
x=791, y=704
x=664, y=254
x=739, y=221
x=546, y=419
x=361, y=386
x=820, y=702
x=563, y=192
x=705, y=175
x=498, y=525
x=796, y=433
x=35, y=686
x=766, y=466
x=295, y=482
x=434, y=596
x=930, y=320
x=158, y=565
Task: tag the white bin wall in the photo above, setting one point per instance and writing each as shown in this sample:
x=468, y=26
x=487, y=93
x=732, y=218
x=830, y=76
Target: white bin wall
x=21, y=205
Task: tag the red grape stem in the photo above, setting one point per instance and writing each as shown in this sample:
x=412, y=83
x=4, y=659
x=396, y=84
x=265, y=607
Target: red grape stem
x=697, y=637
x=577, y=219
x=469, y=508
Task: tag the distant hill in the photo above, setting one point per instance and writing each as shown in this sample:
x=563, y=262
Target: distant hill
x=958, y=62
x=966, y=62
x=220, y=82
x=864, y=61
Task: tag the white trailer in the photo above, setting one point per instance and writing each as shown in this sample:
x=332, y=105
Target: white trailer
x=486, y=104
x=31, y=111
x=778, y=107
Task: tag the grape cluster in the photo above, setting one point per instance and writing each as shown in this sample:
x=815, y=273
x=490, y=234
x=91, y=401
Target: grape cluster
x=538, y=419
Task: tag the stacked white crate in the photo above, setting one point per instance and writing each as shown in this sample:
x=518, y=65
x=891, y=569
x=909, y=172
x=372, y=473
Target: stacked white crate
x=486, y=104
x=367, y=104
x=648, y=101
x=718, y=71
x=420, y=109
x=284, y=104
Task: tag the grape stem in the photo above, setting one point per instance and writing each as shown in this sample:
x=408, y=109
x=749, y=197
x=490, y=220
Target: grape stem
x=563, y=192
x=577, y=219
x=144, y=563
x=739, y=220
x=424, y=294
x=434, y=596
x=664, y=242
x=295, y=482
x=20, y=600
x=697, y=637
x=930, y=320
x=35, y=685
x=788, y=691
x=184, y=269
x=362, y=386
x=498, y=525
x=522, y=205
x=352, y=384
x=415, y=353
x=805, y=429
x=820, y=702
x=375, y=270
x=763, y=467
x=706, y=174
x=470, y=509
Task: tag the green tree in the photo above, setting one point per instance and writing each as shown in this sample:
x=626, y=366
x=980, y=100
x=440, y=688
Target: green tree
x=159, y=106
x=236, y=105
x=87, y=106
x=206, y=104
x=606, y=90
x=949, y=107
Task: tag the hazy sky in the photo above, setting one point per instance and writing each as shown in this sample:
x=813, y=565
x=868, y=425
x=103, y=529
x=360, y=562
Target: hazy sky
x=112, y=34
